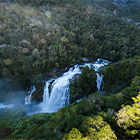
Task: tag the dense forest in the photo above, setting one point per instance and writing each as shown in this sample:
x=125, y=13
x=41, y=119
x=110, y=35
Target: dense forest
x=42, y=39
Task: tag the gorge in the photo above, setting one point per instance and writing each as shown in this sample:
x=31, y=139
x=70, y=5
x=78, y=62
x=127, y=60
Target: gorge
x=57, y=76
x=56, y=91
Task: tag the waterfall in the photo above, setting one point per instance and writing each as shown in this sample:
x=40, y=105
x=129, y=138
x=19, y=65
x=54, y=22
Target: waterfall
x=59, y=93
x=29, y=97
x=46, y=94
x=59, y=96
x=99, y=81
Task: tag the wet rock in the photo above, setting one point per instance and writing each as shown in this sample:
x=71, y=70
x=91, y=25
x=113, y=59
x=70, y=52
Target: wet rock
x=51, y=85
x=62, y=70
x=38, y=93
x=68, y=67
x=76, y=76
x=85, y=60
x=54, y=70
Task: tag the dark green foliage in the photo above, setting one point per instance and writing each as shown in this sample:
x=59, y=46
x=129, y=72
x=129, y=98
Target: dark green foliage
x=85, y=107
x=37, y=81
x=11, y=115
x=53, y=125
x=132, y=10
x=26, y=128
x=87, y=79
x=115, y=101
x=5, y=132
x=85, y=84
x=119, y=75
x=72, y=115
x=78, y=115
x=7, y=117
x=98, y=100
x=73, y=121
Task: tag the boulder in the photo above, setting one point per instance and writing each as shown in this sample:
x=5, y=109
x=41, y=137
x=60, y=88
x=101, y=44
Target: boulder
x=85, y=60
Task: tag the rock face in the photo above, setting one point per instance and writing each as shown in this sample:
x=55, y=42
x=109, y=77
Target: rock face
x=38, y=93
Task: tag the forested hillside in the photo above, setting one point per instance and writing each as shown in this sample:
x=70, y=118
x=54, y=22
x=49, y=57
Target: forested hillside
x=42, y=39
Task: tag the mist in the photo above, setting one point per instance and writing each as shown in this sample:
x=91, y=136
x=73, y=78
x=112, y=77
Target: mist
x=12, y=97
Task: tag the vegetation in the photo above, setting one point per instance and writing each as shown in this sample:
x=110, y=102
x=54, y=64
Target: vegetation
x=38, y=39
x=81, y=120
x=129, y=118
x=38, y=36
x=119, y=75
x=7, y=117
x=92, y=128
x=84, y=85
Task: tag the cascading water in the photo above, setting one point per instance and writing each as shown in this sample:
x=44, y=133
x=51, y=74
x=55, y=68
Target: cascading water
x=46, y=94
x=99, y=81
x=29, y=97
x=59, y=95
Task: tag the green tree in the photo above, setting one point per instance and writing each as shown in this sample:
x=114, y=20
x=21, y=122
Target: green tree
x=128, y=118
x=85, y=84
x=95, y=128
x=74, y=134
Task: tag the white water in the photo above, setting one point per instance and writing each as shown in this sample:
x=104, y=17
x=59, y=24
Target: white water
x=46, y=90
x=99, y=81
x=6, y=106
x=29, y=97
x=59, y=96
